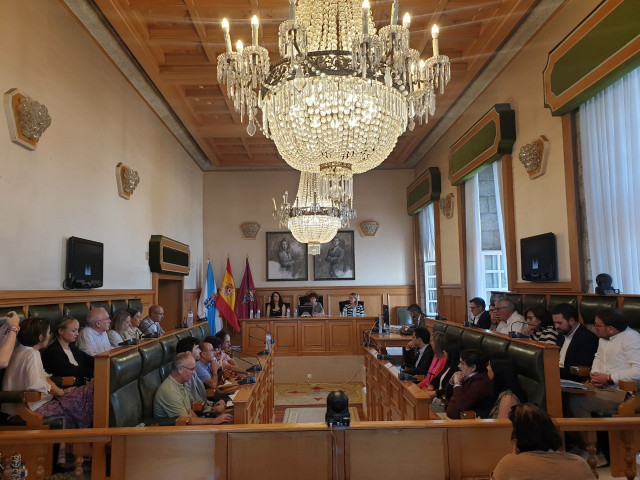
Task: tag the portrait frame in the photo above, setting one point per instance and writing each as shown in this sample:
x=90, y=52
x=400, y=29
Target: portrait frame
x=340, y=265
x=285, y=266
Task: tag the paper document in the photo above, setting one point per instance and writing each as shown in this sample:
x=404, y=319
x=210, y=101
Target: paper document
x=572, y=384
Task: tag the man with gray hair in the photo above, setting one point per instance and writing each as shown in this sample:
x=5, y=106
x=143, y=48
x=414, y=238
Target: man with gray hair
x=151, y=325
x=93, y=338
x=509, y=320
x=172, y=398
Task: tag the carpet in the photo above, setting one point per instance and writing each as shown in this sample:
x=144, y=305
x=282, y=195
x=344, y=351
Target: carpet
x=314, y=393
x=312, y=415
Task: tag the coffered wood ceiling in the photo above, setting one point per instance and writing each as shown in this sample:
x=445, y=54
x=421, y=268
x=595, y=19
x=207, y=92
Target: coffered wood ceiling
x=177, y=43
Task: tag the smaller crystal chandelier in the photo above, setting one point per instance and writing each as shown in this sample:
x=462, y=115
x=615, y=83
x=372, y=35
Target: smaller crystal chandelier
x=315, y=217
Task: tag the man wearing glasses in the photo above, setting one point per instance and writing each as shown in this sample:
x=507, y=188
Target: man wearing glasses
x=151, y=325
x=509, y=320
x=93, y=338
x=478, y=316
x=172, y=398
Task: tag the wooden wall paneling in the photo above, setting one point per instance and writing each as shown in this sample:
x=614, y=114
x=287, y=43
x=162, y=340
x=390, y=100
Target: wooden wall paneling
x=190, y=300
x=454, y=304
x=253, y=335
x=312, y=337
x=169, y=292
x=307, y=454
x=172, y=456
x=341, y=336
x=286, y=337
x=398, y=300
x=427, y=445
x=372, y=303
x=468, y=461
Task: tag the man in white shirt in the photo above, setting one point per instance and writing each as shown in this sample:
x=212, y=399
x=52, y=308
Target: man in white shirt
x=617, y=358
x=151, y=324
x=93, y=338
x=508, y=319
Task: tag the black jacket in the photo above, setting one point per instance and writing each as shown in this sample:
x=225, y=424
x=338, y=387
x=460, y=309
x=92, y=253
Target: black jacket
x=410, y=357
x=56, y=362
x=484, y=321
x=581, y=351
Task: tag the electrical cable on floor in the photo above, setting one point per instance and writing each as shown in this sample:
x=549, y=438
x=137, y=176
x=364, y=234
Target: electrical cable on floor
x=355, y=373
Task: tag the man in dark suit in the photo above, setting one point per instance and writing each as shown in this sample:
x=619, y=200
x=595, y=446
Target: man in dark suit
x=478, y=316
x=577, y=344
x=418, y=354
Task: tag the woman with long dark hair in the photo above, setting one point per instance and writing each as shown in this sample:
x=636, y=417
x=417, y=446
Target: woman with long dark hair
x=505, y=383
x=540, y=326
x=276, y=307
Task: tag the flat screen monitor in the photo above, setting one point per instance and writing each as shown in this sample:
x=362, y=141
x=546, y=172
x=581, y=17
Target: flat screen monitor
x=539, y=258
x=305, y=308
x=85, y=260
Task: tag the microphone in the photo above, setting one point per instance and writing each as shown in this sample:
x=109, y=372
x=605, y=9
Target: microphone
x=513, y=334
x=383, y=356
x=405, y=377
x=247, y=380
x=261, y=352
x=368, y=343
x=255, y=367
x=262, y=328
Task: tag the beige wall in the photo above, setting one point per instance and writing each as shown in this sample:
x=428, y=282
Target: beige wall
x=231, y=198
x=68, y=186
x=540, y=204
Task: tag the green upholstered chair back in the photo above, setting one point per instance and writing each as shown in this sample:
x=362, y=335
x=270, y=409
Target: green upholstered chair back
x=589, y=306
x=135, y=303
x=50, y=312
x=529, y=364
x=558, y=299
x=150, y=379
x=4, y=311
x=118, y=305
x=305, y=299
x=101, y=304
x=78, y=311
x=125, y=407
x=403, y=317
x=532, y=301
x=631, y=310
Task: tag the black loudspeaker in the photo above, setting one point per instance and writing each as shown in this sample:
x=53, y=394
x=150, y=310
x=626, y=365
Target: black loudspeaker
x=385, y=313
x=168, y=256
x=338, y=409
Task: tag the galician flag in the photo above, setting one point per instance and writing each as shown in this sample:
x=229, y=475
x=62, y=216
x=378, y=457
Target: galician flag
x=227, y=299
x=207, y=303
x=246, y=301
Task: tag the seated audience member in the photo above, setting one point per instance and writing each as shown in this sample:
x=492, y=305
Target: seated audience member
x=417, y=355
x=439, y=361
x=228, y=363
x=478, y=316
x=540, y=326
x=318, y=309
x=62, y=358
x=470, y=388
x=536, y=451
x=437, y=386
x=25, y=373
x=276, y=307
x=194, y=386
x=207, y=367
x=120, y=323
x=577, y=344
x=8, y=333
x=93, y=338
x=133, y=331
x=617, y=358
x=495, y=318
x=353, y=308
x=416, y=314
x=502, y=372
x=172, y=398
x=508, y=319
x=151, y=325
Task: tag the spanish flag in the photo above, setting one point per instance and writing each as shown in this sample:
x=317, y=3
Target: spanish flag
x=227, y=299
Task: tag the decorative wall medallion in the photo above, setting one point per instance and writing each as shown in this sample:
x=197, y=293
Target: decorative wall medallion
x=249, y=230
x=27, y=118
x=534, y=156
x=446, y=205
x=369, y=228
x=128, y=180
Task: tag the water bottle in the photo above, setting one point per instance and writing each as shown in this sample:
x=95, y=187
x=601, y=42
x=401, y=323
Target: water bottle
x=268, y=341
x=251, y=313
x=344, y=311
x=380, y=325
x=258, y=314
x=288, y=312
x=295, y=312
x=638, y=465
x=190, y=318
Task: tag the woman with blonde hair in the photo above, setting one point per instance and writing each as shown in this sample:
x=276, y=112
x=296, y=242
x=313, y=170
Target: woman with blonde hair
x=120, y=323
x=62, y=358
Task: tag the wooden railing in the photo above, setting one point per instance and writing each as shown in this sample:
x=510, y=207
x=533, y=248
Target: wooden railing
x=254, y=403
x=443, y=449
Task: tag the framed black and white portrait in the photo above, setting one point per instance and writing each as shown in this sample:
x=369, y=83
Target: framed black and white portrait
x=286, y=258
x=336, y=260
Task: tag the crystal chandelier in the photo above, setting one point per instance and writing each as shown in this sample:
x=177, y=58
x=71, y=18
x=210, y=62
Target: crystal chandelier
x=342, y=93
x=314, y=218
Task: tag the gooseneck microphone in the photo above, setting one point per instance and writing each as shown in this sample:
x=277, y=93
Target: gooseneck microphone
x=262, y=352
x=513, y=334
x=255, y=367
x=273, y=340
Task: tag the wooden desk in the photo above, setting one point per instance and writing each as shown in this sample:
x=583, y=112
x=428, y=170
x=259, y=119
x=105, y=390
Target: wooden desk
x=307, y=335
x=389, y=340
x=254, y=403
x=387, y=397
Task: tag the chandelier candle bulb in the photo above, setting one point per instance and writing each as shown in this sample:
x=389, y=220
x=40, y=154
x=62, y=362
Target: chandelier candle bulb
x=434, y=35
x=239, y=47
x=406, y=20
x=227, y=37
x=292, y=9
x=394, y=12
x=254, y=31
x=365, y=17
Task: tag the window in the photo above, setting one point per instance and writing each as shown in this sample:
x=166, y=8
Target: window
x=609, y=146
x=486, y=255
x=428, y=261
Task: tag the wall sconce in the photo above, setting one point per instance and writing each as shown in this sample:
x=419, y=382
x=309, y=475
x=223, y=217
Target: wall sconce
x=446, y=205
x=369, y=228
x=249, y=230
x=534, y=156
x=128, y=180
x=27, y=118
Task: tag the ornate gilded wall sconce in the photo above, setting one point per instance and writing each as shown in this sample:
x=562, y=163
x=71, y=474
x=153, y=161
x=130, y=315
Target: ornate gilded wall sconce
x=27, y=118
x=534, y=156
x=446, y=205
x=128, y=180
x=369, y=228
x=249, y=230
